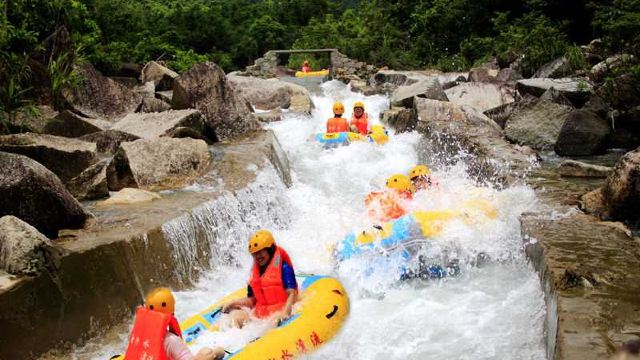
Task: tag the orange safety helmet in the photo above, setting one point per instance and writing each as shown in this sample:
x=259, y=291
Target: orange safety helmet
x=161, y=300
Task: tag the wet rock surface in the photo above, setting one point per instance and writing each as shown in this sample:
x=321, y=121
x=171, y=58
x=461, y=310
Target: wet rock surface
x=583, y=133
x=482, y=96
x=109, y=141
x=271, y=94
x=92, y=183
x=575, y=89
x=34, y=194
x=72, y=125
x=572, y=168
x=64, y=156
x=23, y=249
x=153, y=125
x=537, y=124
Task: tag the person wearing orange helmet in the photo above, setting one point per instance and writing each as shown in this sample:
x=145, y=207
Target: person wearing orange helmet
x=306, y=67
x=383, y=206
x=422, y=178
x=337, y=124
x=156, y=333
x=359, y=120
x=273, y=288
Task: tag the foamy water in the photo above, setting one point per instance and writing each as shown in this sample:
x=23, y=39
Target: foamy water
x=492, y=311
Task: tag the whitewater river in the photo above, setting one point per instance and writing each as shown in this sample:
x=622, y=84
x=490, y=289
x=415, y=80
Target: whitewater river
x=493, y=310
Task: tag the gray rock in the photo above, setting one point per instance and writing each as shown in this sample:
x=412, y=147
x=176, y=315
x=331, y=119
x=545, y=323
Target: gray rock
x=269, y=116
x=150, y=105
x=153, y=125
x=128, y=82
x=481, y=96
x=161, y=76
x=71, y=125
x=109, y=141
x=34, y=194
x=483, y=74
x=400, y=118
x=572, y=168
x=100, y=97
x=621, y=93
x=500, y=114
x=129, y=196
x=160, y=163
x=575, y=89
x=554, y=69
x=361, y=86
x=508, y=75
x=165, y=96
x=92, y=183
x=426, y=87
x=64, y=156
x=272, y=94
x=205, y=87
x=23, y=249
x=554, y=96
x=537, y=124
x=598, y=106
x=28, y=119
x=602, y=69
x=583, y=133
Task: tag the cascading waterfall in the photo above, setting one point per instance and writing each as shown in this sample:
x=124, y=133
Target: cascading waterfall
x=493, y=310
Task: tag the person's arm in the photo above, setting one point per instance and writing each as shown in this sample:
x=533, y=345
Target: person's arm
x=291, y=287
x=291, y=298
x=248, y=301
x=175, y=348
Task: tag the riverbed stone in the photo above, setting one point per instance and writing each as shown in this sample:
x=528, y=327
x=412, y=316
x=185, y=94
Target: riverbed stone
x=427, y=87
x=557, y=68
x=609, y=65
x=161, y=76
x=153, y=125
x=64, y=156
x=578, y=90
x=150, y=105
x=272, y=94
x=130, y=196
x=69, y=124
x=155, y=164
x=34, y=194
x=400, y=118
x=28, y=119
x=537, y=124
x=205, y=87
x=108, y=141
x=573, y=168
x=583, y=133
x=23, y=249
x=481, y=96
x=91, y=184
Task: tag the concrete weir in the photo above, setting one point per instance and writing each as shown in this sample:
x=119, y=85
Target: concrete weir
x=128, y=249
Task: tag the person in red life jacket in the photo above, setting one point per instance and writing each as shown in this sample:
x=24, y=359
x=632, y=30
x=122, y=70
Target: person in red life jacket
x=306, y=67
x=273, y=288
x=337, y=124
x=359, y=120
x=156, y=333
x=422, y=178
x=383, y=206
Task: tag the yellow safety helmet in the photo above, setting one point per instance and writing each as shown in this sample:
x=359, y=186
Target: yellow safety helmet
x=161, y=300
x=338, y=108
x=400, y=182
x=306, y=62
x=262, y=239
x=419, y=170
x=358, y=104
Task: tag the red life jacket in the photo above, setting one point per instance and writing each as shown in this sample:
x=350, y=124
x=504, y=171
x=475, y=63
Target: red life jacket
x=268, y=288
x=147, y=337
x=362, y=123
x=306, y=68
x=385, y=206
x=336, y=125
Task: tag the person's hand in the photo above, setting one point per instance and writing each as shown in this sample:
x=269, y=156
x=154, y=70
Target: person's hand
x=282, y=316
x=227, y=307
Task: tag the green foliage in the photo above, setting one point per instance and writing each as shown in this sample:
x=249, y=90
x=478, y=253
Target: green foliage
x=184, y=60
x=576, y=58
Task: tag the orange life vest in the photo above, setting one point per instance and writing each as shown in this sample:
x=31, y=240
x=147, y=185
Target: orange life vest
x=362, y=123
x=147, y=337
x=268, y=288
x=336, y=125
x=386, y=206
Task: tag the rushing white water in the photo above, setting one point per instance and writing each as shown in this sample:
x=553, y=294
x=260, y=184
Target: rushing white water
x=493, y=311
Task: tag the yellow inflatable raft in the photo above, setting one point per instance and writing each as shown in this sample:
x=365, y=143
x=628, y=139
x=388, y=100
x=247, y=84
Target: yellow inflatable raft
x=322, y=310
x=378, y=134
x=321, y=73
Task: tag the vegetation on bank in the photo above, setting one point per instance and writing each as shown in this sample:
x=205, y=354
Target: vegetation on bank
x=449, y=34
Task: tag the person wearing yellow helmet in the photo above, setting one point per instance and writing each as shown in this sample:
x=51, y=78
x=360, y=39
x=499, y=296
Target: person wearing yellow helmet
x=272, y=288
x=383, y=206
x=421, y=177
x=156, y=332
x=337, y=124
x=360, y=119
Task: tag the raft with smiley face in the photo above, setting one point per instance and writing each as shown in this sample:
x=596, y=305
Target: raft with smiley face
x=323, y=308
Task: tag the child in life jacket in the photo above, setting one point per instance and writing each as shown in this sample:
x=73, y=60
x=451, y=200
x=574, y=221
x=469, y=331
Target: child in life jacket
x=383, y=206
x=337, y=124
x=359, y=120
x=422, y=178
x=156, y=333
x=272, y=289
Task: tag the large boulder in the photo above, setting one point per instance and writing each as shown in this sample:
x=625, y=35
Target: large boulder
x=161, y=76
x=557, y=68
x=150, y=104
x=583, y=133
x=109, y=141
x=573, y=168
x=69, y=124
x=92, y=183
x=400, y=118
x=537, y=124
x=481, y=96
x=159, y=163
x=153, y=125
x=100, y=97
x=271, y=94
x=23, y=249
x=619, y=198
x=65, y=157
x=27, y=119
x=129, y=196
x=621, y=92
x=602, y=69
x=427, y=87
x=575, y=89
x=205, y=87
x=34, y=194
